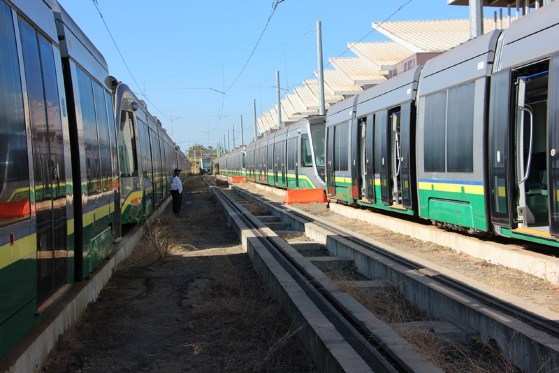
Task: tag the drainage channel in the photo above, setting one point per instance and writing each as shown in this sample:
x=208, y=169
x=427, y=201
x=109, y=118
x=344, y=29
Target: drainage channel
x=509, y=336
x=321, y=277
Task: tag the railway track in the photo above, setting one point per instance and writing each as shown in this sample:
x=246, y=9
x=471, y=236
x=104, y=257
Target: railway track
x=364, y=350
x=528, y=340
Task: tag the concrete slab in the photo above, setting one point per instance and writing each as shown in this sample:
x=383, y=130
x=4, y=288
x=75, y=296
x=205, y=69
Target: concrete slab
x=445, y=330
x=309, y=249
x=508, y=255
x=331, y=263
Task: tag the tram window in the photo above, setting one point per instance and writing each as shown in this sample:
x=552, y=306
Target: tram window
x=318, y=138
x=14, y=173
x=91, y=137
x=112, y=131
x=127, y=152
x=104, y=137
x=38, y=119
x=54, y=118
x=460, y=128
x=341, y=144
x=291, y=153
x=434, y=132
x=306, y=156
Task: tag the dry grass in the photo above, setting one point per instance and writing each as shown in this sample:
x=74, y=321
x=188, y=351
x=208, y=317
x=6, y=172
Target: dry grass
x=255, y=317
x=159, y=237
x=387, y=304
x=453, y=357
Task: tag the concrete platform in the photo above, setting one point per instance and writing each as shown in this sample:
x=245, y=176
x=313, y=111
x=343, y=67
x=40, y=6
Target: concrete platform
x=510, y=255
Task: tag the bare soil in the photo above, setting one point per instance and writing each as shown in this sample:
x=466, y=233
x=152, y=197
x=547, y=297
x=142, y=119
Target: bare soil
x=187, y=300
x=530, y=288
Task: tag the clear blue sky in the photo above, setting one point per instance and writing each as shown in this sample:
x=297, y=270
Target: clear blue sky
x=173, y=45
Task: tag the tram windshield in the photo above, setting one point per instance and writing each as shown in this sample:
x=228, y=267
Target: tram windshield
x=318, y=135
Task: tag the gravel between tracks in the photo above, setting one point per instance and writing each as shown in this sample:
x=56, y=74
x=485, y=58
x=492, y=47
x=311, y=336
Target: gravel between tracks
x=510, y=281
x=187, y=300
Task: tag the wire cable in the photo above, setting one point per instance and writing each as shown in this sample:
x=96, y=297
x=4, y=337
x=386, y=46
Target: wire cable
x=138, y=86
x=386, y=19
x=275, y=5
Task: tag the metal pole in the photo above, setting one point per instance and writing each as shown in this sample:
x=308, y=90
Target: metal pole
x=320, y=67
x=255, y=119
x=242, y=132
x=476, y=18
x=278, y=88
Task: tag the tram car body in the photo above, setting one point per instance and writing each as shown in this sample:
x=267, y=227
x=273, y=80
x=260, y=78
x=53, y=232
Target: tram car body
x=289, y=158
x=468, y=141
x=369, y=147
x=60, y=177
x=147, y=157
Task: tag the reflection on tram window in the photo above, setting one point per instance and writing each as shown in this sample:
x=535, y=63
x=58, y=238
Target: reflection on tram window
x=14, y=173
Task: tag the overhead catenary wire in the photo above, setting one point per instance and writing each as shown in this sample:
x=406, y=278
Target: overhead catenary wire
x=275, y=5
x=371, y=30
x=124, y=61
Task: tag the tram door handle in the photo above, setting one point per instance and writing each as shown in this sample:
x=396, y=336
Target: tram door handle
x=527, y=109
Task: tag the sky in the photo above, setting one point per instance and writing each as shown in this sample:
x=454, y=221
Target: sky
x=177, y=49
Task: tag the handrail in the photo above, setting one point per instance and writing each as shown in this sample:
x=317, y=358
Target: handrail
x=530, y=112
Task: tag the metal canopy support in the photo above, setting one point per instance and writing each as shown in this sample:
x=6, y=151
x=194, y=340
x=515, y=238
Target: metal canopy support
x=278, y=88
x=242, y=132
x=255, y=119
x=320, y=67
x=476, y=18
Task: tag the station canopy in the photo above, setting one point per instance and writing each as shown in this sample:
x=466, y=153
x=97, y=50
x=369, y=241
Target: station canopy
x=496, y=3
x=372, y=63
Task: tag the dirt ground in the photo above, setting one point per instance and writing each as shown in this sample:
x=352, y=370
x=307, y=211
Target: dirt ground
x=187, y=300
x=510, y=281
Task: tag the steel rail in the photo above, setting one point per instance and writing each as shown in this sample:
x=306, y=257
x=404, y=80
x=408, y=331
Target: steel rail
x=551, y=327
x=376, y=354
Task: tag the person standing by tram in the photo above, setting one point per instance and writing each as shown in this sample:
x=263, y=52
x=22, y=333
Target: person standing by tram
x=176, y=191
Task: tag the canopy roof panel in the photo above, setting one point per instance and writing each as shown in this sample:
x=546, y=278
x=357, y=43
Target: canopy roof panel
x=359, y=70
x=432, y=35
x=339, y=83
x=383, y=55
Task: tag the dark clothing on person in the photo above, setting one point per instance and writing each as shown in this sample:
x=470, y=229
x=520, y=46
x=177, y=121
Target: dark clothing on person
x=177, y=201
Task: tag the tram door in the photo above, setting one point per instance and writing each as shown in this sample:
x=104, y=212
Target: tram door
x=48, y=161
x=396, y=157
x=531, y=149
x=362, y=123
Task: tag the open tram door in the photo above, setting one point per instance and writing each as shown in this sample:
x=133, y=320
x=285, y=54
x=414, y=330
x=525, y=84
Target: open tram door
x=330, y=180
x=522, y=153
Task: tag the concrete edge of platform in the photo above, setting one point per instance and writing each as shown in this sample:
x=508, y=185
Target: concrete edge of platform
x=277, y=191
x=511, y=256
x=529, y=348
x=35, y=348
x=328, y=348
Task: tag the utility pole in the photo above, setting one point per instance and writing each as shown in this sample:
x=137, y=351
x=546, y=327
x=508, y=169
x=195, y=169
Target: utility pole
x=320, y=67
x=278, y=88
x=255, y=119
x=476, y=18
x=242, y=132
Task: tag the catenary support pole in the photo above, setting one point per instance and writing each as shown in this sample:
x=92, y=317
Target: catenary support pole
x=255, y=119
x=242, y=132
x=320, y=68
x=476, y=18
x=278, y=89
